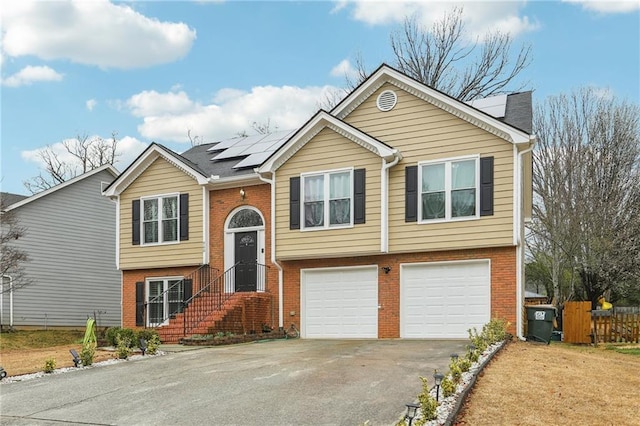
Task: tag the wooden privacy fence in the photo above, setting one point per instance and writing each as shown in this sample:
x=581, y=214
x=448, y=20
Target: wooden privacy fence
x=582, y=325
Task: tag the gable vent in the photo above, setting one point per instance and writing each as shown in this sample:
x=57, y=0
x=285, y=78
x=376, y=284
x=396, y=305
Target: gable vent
x=387, y=100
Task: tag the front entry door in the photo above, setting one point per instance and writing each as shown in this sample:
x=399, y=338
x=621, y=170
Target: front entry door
x=246, y=251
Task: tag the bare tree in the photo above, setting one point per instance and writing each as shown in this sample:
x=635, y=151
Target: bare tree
x=264, y=128
x=12, y=257
x=87, y=153
x=586, y=184
x=195, y=140
x=443, y=57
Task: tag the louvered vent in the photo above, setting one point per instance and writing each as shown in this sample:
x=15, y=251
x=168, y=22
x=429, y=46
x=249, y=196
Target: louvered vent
x=387, y=100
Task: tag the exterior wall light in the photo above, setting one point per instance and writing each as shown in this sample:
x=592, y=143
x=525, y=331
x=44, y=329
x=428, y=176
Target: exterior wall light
x=242, y=193
x=386, y=269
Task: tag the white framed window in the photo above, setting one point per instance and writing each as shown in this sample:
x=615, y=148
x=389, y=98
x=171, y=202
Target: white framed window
x=327, y=199
x=164, y=298
x=449, y=189
x=160, y=219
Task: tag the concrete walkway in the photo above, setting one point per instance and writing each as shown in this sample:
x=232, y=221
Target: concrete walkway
x=285, y=382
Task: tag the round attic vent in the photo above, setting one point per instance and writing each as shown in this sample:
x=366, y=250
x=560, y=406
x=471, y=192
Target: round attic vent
x=387, y=100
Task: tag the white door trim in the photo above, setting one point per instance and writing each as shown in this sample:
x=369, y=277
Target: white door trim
x=229, y=246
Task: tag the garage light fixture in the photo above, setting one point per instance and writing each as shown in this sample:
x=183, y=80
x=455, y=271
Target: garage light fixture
x=438, y=378
x=412, y=410
x=386, y=269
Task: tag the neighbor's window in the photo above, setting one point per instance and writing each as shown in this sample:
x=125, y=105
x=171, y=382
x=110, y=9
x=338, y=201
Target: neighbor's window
x=160, y=219
x=449, y=190
x=327, y=199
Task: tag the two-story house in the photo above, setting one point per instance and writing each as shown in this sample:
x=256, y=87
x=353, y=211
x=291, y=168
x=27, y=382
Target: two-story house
x=69, y=240
x=400, y=213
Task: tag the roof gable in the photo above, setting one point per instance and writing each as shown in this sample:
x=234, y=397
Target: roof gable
x=311, y=128
x=385, y=74
x=107, y=167
x=144, y=160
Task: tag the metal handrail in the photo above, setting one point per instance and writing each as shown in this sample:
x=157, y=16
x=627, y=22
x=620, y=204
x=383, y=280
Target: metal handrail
x=198, y=277
x=211, y=298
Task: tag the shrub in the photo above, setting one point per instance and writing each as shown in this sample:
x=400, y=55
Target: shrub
x=464, y=364
x=123, y=346
x=428, y=404
x=130, y=336
x=111, y=334
x=448, y=387
x=152, y=344
x=455, y=371
x=87, y=353
x=49, y=365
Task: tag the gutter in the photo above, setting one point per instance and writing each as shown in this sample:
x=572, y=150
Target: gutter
x=272, y=182
x=520, y=254
x=384, y=198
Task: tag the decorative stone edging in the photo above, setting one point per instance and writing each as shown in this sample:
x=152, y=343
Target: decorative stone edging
x=462, y=396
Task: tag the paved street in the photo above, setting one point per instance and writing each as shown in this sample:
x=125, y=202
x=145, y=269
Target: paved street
x=286, y=382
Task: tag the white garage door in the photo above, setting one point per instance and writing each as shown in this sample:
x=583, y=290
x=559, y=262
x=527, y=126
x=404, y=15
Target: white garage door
x=444, y=300
x=338, y=303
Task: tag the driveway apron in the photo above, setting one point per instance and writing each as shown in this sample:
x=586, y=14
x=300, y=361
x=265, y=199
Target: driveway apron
x=285, y=382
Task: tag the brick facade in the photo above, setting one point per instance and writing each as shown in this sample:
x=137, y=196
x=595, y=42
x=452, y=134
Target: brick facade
x=221, y=204
x=503, y=283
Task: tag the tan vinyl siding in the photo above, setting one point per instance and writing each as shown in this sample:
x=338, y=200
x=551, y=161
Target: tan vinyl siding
x=161, y=178
x=329, y=151
x=424, y=132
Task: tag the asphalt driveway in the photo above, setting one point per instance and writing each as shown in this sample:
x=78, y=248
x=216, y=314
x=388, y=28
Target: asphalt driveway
x=285, y=382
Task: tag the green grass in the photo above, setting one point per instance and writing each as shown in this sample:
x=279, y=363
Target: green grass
x=35, y=339
x=623, y=350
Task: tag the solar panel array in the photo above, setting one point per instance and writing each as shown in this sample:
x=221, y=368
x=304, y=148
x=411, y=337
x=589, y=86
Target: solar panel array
x=494, y=105
x=254, y=150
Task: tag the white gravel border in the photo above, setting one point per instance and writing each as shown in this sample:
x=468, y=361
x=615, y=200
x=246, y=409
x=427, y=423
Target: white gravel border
x=448, y=407
x=39, y=374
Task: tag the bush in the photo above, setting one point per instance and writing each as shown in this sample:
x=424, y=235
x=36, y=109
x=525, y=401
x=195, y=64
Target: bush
x=87, y=353
x=49, y=365
x=464, y=364
x=110, y=335
x=123, y=346
x=152, y=338
x=428, y=404
x=455, y=371
x=448, y=387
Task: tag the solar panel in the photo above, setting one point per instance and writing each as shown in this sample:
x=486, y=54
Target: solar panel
x=256, y=148
x=253, y=160
x=494, y=105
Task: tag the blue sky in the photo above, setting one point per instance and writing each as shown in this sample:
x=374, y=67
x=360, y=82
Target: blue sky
x=152, y=71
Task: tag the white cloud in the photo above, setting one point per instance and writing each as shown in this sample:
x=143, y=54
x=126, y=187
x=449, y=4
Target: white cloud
x=153, y=103
x=91, y=32
x=30, y=74
x=344, y=68
x=167, y=117
x=624, y=6
x=91, y=104
x=128, y=147
x=479, y=16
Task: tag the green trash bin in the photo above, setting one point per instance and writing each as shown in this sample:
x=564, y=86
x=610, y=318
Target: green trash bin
x=540, y=323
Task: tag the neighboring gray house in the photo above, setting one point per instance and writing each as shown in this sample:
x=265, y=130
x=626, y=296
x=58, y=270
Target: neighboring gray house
x=71, y=243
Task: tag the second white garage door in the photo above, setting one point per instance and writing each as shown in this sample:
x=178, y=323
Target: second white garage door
x=444, y=300
x=339, y=303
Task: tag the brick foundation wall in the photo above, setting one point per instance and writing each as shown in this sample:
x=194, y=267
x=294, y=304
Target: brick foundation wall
x=503, y=283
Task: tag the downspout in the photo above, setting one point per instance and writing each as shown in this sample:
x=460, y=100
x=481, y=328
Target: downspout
x=272, y=182
x=384, y=198
x=520, y=259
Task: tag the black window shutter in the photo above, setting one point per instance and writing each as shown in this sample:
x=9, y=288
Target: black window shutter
x=135, y=230
x=184, y=217
x=486, y=186
x=294, y=203
x=188, y=289
x=140, y=304
x=411, y=194
x=359, y=195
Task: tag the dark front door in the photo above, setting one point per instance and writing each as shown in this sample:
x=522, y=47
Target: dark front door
x=246, y=258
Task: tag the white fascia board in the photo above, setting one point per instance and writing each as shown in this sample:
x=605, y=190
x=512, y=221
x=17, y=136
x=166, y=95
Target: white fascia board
x=233, y=181
x=107, y=167
x=434, y=97
x=312, y=128
x=143, y=162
